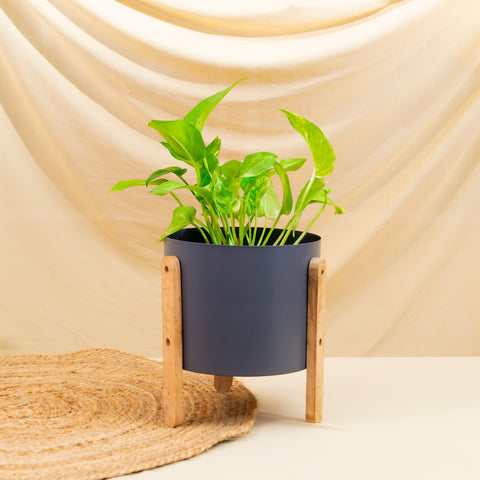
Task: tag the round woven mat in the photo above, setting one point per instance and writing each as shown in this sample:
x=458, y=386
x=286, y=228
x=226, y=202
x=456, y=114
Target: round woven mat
x=98, y=413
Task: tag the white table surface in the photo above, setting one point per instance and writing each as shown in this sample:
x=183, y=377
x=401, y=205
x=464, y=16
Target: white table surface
x=385, y=419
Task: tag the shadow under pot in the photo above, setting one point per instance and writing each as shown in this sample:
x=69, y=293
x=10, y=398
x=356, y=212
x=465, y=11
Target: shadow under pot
x=244, y=308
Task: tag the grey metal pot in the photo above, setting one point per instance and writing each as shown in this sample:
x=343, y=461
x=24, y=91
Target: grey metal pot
x=244, y=307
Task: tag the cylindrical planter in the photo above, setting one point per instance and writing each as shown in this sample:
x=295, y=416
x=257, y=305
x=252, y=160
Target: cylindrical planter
x=244, y=307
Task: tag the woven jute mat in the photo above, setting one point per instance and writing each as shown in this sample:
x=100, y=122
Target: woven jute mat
x=98, y=414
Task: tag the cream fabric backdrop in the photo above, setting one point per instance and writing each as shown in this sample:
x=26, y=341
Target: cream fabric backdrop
x=394, y=84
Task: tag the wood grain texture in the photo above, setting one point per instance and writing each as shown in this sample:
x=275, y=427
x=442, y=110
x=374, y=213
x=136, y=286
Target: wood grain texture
x=315, y=340
x=222, y=384
x=172, y=341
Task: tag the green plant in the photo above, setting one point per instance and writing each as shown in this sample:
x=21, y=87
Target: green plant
x=233, y=196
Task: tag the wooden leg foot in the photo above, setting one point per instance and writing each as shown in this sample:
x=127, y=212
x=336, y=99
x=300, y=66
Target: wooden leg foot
x=222, y=384
x=172, y=342
x=315, y=340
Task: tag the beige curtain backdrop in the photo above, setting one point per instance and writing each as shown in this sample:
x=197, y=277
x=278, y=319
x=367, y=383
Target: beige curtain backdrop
x=394, y=85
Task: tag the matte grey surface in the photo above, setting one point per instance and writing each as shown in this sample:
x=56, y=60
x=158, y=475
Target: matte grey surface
x=244, y=307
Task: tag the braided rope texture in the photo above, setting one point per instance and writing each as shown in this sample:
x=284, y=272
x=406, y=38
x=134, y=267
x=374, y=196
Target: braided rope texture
x=98, y=413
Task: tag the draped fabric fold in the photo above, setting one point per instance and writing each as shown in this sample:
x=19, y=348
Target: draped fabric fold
x=395, y=85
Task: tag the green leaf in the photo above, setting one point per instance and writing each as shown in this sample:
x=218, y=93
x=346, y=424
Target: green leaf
x=169, y=186
x=225, y=196
x=320, y=195
x=222, y=195
x=172, y=152
x=182, y=217
x=287, y=202
x=163, y=171
x=199, y=114
x=126, y=184
x=315, y=191
x=304, y=197
x=231, y=169
x=184, y=141
x=269, y=205
x=247, y=183
x=205, y=177
x=316, y=194
x=257, y=164
x=211, y=163
x=133, y=183
x=292, y=164
x=214, y=146
x=200, y=191
x=255, y=191
x=322, y=152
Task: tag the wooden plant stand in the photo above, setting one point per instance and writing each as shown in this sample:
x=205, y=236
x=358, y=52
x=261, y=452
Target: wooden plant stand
x=172, y=342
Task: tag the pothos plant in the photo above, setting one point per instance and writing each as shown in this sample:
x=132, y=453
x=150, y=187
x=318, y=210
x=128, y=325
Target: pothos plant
x=232, y=197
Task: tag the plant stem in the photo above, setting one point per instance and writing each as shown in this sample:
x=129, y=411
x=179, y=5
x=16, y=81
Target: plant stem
x=235, y=238
x=176, y=198
x=299, y=239
x=241, y=223
x=226, y=229
x=299, y=208
x=216, y=230
x=255, y=229
x=197, y=174
x=272, y=228
x=181, y=204
x=287, y=234
x=282, y=233
x=248, y=232
x=263, y=231
x=209, y=224
x=200, y=229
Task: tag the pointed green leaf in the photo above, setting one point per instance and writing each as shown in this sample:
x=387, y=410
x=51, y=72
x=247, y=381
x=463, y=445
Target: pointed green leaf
x=231, y=169
x=133, y=183
x=322, y=152
x=292, y=164
x=181, y=218
x=257, y=164
x=184, y=141
x=222, y=195
x=315, y=192
x=320, y=195
x=167, y=187
x=205, y=177
x=126, y=184
x=247, y=183
x=304, y=196
x=269, y=205
x=255, y=191
x=200, y=192
x=172, y=152
x=225, y=195
x=163, y=171
x=287, y=202
x=214, y=146
x=211, y=163
x=199, y=114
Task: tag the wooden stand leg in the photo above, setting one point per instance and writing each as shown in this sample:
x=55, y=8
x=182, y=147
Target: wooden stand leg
x=172, y=342
x=315, y=340
x=222, y=384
